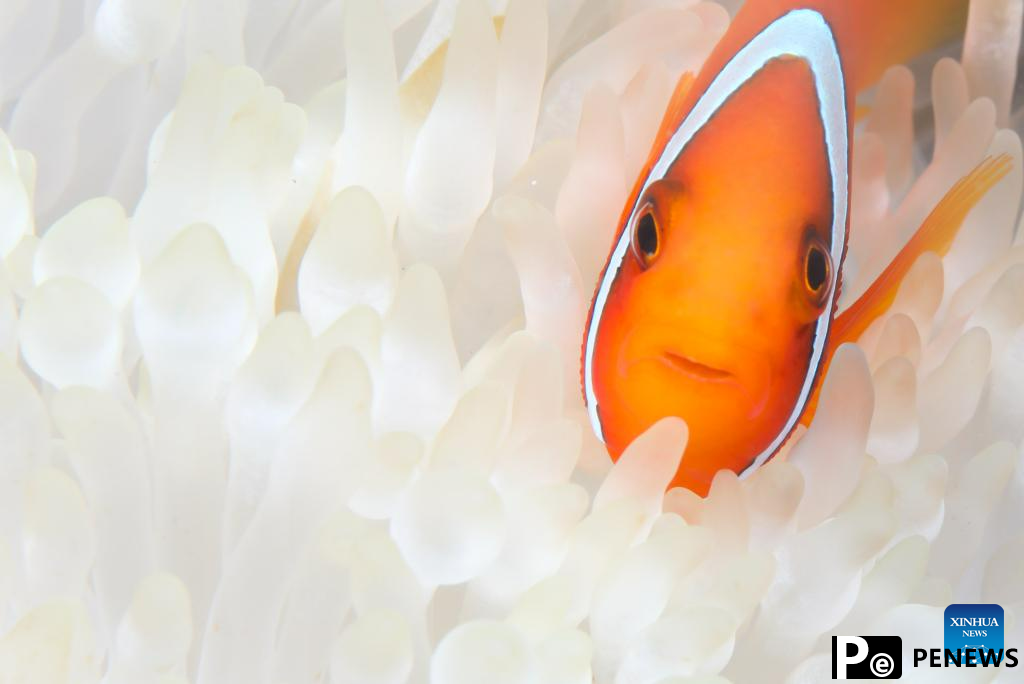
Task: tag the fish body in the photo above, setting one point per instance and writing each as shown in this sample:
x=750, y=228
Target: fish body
x=718, y=300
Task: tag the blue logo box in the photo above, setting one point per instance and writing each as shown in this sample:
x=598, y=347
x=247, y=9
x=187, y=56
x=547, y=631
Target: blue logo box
x=973, y=625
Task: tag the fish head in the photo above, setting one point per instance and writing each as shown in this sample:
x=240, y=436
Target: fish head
x=713, y=314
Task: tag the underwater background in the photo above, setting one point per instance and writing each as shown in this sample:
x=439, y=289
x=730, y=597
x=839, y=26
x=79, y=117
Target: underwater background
x=292, y=294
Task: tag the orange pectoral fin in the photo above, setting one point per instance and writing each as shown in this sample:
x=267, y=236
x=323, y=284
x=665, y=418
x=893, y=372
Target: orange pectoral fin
x=677, y=107
x=936, y=234
x=861, y=112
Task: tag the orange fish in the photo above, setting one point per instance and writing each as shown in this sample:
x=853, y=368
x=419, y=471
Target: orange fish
x=718, y=300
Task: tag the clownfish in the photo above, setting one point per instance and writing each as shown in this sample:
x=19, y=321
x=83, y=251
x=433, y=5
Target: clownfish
x=718, y=301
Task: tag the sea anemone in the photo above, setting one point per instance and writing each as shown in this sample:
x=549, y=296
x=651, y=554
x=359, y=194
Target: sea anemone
x=291, y=302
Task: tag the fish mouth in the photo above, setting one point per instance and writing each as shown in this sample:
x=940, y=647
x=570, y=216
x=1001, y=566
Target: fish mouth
x=696, y=369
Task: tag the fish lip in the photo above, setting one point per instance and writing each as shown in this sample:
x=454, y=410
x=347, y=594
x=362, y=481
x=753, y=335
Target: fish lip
x=697, y=369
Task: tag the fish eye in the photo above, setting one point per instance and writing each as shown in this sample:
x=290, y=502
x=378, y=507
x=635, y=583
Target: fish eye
x=817, y=271
x=646, y=237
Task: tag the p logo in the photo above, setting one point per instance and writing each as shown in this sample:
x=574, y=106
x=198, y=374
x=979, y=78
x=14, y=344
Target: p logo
x=875, y=657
